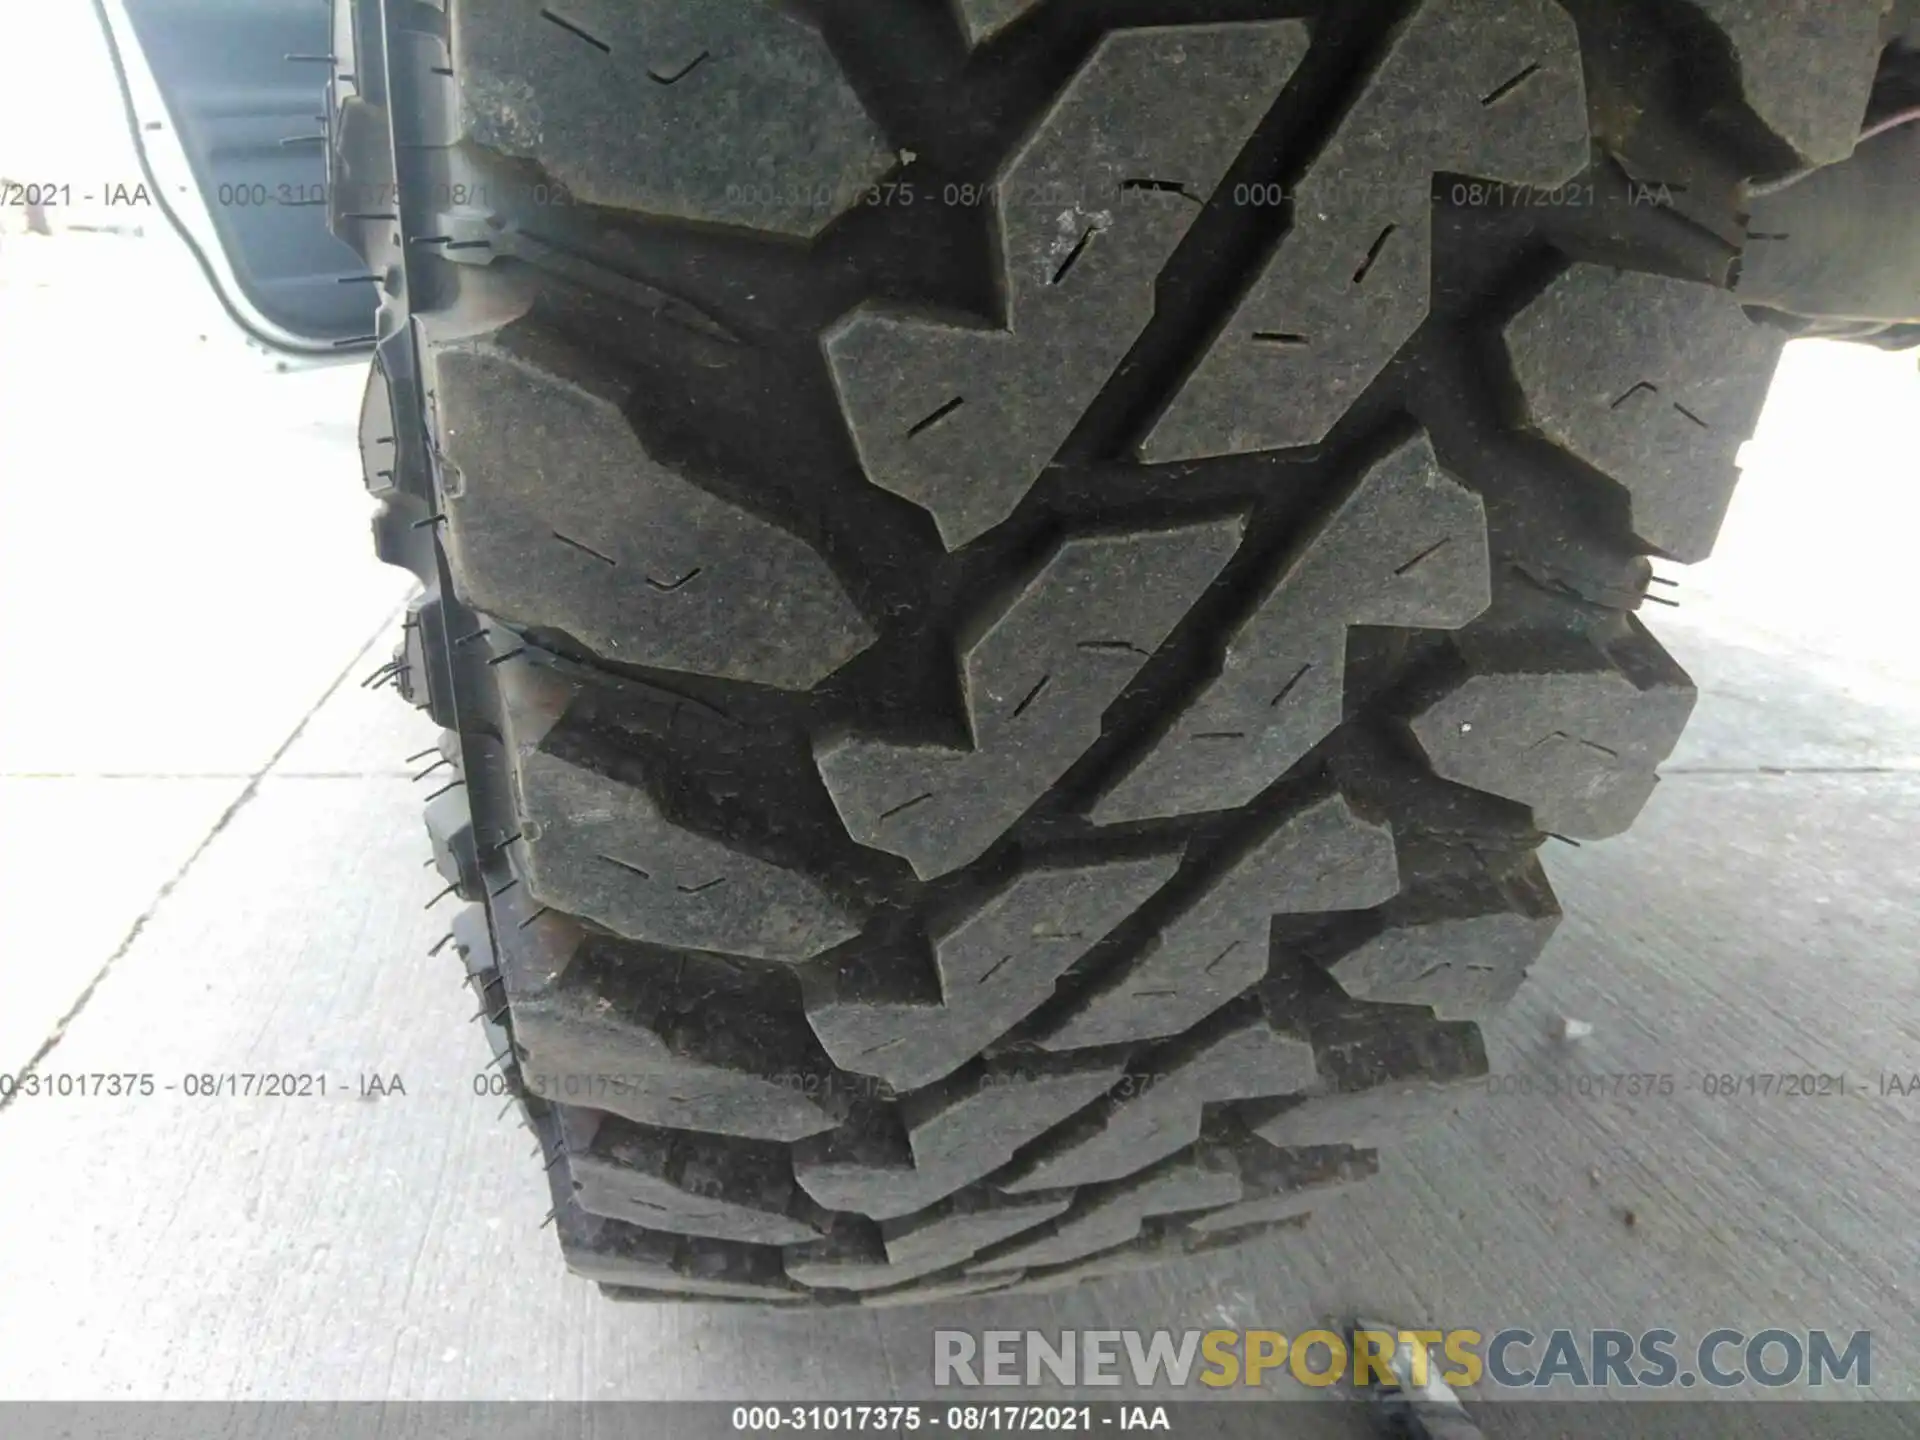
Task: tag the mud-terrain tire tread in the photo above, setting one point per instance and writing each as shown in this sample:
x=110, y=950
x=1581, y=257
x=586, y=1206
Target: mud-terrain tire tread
x=999, y=737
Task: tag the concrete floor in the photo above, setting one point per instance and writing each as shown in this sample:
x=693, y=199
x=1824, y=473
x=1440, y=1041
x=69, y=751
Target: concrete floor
x=211, y=861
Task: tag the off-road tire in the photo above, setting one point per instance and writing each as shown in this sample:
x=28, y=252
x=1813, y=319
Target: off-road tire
x=1012, y=586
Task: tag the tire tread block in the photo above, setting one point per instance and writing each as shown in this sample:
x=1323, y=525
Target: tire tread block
x=753, y=124
x=681, y=1182
x=473, y=943
x=1037, y=677
x=1489, y=88
x=1384, y=1075
x=995, y=967
x=1461, y=948
x=1322, y=857
x=1406, y=547
x=1663, y=384
x=618, y=1254
x=1204, y=1179
x=1243, y=1058
x=1574, y=732
x=957, y=1134
x=456, y=855
x=1806, y=67
x=682, y=1044
x=561, y=518
x=962, y=419
x=926, y=1244
x=603, y=849
x=658, y=1279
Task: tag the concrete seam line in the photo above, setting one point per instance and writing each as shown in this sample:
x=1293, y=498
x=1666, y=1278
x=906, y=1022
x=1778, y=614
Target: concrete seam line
x=59, y=1031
